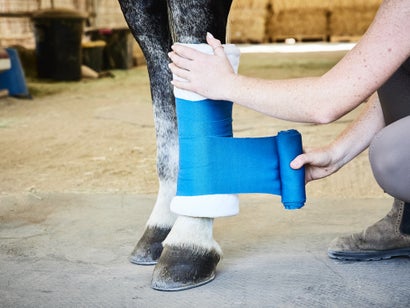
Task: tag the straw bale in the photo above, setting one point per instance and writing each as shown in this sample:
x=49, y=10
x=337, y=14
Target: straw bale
x=7, y=6
x=249, y=4
x=359, y=4
x=350, y=21
x=247, y=20
x=109, y=15
x=16, y=31
x=67, y=4
x=247, y=26
x=284, y=5
x=300, y=24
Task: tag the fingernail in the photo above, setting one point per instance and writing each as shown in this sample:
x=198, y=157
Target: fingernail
x=209, y=35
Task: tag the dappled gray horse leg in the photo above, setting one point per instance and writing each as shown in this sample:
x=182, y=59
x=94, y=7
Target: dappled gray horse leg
x=184, y=262
x=148, y=21
x=190, y=254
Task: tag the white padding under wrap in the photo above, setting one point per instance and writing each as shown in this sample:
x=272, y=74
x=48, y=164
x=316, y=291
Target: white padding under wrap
x=206, y=205
x=231, y=51
x=218, y=205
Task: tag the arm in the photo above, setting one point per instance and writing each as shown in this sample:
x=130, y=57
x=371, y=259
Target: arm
x=323, y=99
x=322, y=162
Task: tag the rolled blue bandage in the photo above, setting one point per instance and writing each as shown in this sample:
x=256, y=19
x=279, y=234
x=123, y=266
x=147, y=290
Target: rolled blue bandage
x=289, y=145
x=214, y=166
x=213, y=162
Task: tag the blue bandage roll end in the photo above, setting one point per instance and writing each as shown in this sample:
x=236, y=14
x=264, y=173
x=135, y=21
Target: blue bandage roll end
x=289, y=145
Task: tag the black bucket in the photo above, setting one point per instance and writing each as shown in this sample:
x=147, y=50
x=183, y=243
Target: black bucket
x=93, y=54
x=118, y=52
x=58, y=34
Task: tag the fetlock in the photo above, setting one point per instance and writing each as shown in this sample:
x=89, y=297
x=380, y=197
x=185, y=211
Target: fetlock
x=389, y=237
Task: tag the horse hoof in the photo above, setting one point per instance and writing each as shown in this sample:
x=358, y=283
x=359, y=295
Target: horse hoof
x=181, y=268
x=149, y=247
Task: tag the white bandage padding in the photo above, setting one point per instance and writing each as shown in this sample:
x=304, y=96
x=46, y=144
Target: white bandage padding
x=231, y=51
x=206, y=205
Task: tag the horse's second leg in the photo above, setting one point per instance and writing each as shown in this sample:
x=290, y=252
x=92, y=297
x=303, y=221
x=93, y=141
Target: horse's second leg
x=148, y=21
x=190, y=254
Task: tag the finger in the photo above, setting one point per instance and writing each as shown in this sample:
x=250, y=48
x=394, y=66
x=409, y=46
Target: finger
x=219, y=51
x=179, y=61
x=179, y=73
x=185, y=51
x=215, y=44
x=183, y=85
x=211, y=40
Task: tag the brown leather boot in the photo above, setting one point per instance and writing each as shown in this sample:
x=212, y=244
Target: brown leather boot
x=389, y=237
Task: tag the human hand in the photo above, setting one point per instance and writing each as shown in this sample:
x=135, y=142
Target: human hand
x=319, y=163
x=205, y=74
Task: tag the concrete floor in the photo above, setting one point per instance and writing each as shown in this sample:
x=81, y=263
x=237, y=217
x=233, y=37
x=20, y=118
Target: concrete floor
x=71, y=249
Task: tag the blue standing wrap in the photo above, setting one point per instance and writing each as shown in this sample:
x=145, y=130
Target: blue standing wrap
x=213, y=162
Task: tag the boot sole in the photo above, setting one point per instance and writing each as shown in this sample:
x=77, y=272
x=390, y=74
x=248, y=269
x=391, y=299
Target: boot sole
x=370, y=255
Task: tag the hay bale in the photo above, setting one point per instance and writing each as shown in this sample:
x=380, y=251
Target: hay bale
x=249, y=4
x=16, y=31
x=351, y=18
x=360, y=4
x=301, y=24
x=109, y=15
x=286, y=5
x=350, y=21
x=247, y=21
x=247, y=26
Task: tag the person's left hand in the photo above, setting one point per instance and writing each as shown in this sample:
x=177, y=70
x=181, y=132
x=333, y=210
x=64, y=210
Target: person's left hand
x=202, y=73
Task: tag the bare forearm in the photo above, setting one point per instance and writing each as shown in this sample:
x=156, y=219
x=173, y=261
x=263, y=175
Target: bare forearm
x=360, y=73
x=309, y=99
x=383, y=48
x=322, y=162
x=357, y=137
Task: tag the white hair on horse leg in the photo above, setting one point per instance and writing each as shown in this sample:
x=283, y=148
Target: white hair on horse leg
x=193, y=232
x=161, y=216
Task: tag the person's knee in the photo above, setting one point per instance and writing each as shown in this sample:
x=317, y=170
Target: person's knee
x=383, y=159
x=387, y=163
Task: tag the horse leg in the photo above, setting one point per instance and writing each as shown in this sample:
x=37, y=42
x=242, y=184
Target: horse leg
x=190, y=253
x=148, y=21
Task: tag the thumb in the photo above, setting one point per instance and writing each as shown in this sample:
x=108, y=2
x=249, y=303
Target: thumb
x=298, y=162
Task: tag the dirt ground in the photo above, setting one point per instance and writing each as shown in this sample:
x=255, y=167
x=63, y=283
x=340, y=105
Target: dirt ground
x=98, y=135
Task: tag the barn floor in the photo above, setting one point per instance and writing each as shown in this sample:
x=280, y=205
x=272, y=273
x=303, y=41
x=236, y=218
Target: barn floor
x=70, y=250
x=78, y=181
